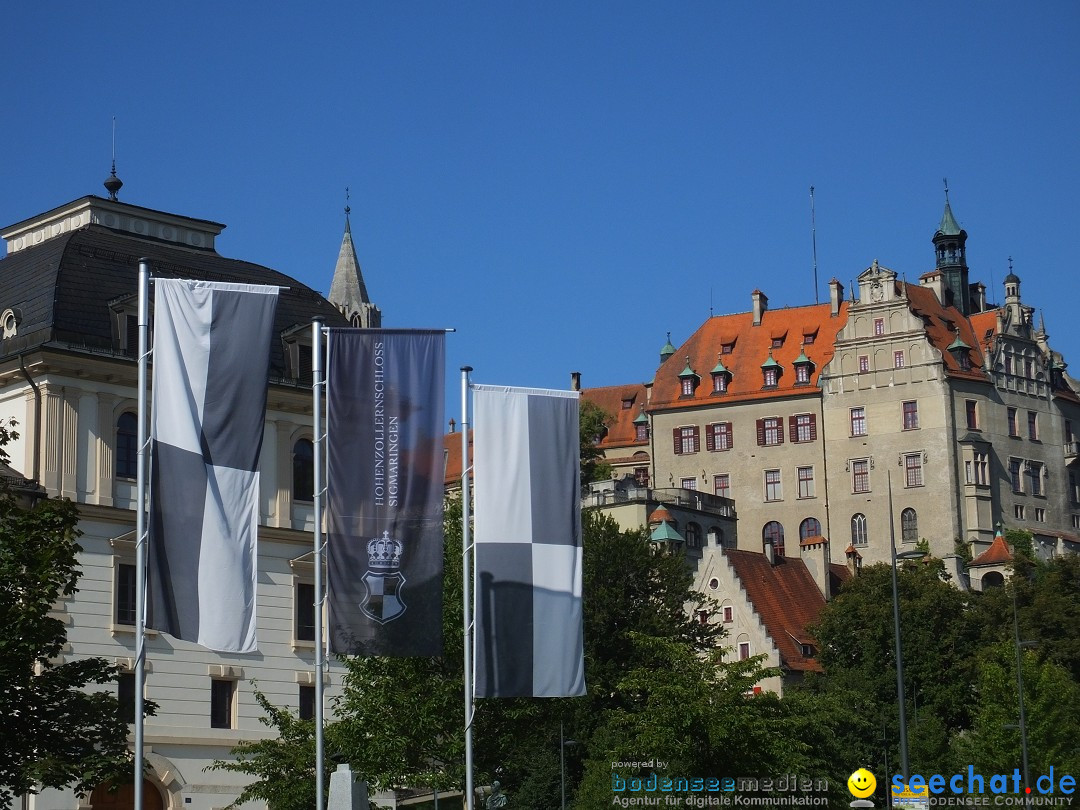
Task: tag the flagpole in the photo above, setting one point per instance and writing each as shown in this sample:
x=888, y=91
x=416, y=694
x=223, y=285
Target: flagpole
x=316, y=390
x=140, y=531
x=466, y=585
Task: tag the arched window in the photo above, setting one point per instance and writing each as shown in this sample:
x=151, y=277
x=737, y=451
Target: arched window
x=775, y=532
x=127, y=445
x=716, y=537
x=992, y=579
x=909, y=526
x=809, y=528
x=693, y=535
x=303, y=470
x=858, y=529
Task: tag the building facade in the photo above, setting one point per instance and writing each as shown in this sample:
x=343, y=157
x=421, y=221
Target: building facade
x=68, y=376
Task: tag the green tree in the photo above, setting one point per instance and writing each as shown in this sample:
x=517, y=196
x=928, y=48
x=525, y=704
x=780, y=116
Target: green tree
x=57, y=732
x=592, y=426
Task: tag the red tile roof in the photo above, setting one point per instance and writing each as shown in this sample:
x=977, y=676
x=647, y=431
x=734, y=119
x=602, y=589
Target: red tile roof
x=452, y=447
x=621, y=429
x=997, y=554
x=942, y=325
x=751, y=349
x=787, y=600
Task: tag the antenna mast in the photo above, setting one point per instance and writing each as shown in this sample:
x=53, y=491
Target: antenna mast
x=813, y=240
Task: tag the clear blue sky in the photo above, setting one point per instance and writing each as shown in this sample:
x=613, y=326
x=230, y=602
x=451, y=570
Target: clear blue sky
x=564, y=182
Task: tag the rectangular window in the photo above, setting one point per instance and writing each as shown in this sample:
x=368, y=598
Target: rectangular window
x=860, y=475
x=913, y=470
x=1008, y=364
x=1040, y=515
x=729, y=614
x=1074, y=488
x=803, y=427
x=777, y=342
x=982, y=469
x=1027, y=369
x=770, y=431
x=806, y=482
x=1035, y=474
x=1018, y=511
x=1014, y=427
x=688, y=483
x=770, y=376
x=686, y=440
x=1017, y=482
x=911, y=415
x=125, y=593
x=864, y=363
x=744, y=650
x=719, y=383
x=1076, y=521
x=879, y=326
x=687, y=386
x=772, y=486
x=221, y=703
x=1033, y=426
x=305, y=611
x=641, y=432
x=972, y=413
x=718, y=436
x=727, y=348
x=306, y=702
x=125, y=696
x=802, y=373
x=898, y=359
x=641, y=476
x=858, y=421
x=722, y=485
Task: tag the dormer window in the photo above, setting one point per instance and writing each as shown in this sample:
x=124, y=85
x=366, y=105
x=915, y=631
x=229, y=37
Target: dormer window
x=641, y=426
x=727, y=348
x=688, y=380
x=777, y=342
x=770, y=370
x=297, y=340
x=808, y=338
x=803, y=367
x=627, y=403
x=720, y=377
x=125, y=318
x=961, y=353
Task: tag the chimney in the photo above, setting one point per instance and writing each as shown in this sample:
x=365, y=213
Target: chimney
x=836, y=295
x=814, y=552
x=453, y=425
x=978, y=296
x=770, y=554
x=575, y=380
x=854, y=561
x=761, y=303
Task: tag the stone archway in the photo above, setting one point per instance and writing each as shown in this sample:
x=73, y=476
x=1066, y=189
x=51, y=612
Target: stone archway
x=123, y=798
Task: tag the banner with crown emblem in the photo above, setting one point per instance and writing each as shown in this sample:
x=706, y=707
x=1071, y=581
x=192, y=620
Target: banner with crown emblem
x=384, y=478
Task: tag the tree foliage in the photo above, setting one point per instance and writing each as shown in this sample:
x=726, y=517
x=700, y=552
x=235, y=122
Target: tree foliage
x=57, y=732
x=592, y=426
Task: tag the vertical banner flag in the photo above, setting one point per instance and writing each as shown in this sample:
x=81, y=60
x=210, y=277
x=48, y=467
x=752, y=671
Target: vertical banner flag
x=211, y=358
x=384, y=513
x=528, y=543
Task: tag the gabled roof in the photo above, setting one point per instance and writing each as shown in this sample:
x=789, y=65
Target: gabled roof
x=751, y=350
x=997, y=554
x=943, y=325
x=785, y=597
x=621, y=430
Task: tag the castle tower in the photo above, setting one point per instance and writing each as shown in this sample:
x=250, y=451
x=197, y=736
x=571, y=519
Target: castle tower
x=949, y=247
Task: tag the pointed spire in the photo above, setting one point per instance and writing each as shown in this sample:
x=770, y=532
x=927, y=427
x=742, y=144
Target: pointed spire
x=113, y=184
x=667, y=349
x=348, y=291
x=948, y=225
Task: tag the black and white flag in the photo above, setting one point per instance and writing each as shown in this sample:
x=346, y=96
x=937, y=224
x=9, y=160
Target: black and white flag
x=384, y=394
x=528, y=613
x=211, y=357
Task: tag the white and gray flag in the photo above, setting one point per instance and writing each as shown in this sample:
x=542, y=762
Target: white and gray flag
x=211, y=357
x=528, y=543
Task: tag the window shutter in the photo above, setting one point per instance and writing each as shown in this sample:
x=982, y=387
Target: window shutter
x=730, y=435
x=761, y=432
x=676, y=434
x=697, y=439
x=780, y=430
x=813, y=427
x=793, y=428
x=710, y=437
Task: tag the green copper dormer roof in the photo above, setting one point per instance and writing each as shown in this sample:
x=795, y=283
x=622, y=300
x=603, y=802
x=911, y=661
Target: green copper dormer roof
x=665, y=533
x=688, y=372
x=958, y=344
x=641, y=418
x=719, y=368
x=802, y=358
x=667, y=350
x=948, y=226
x=771, y=363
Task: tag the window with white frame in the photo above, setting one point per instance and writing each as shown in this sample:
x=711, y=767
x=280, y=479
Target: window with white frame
x=909, y=526
x=879, y=326
x=1040, y=514
x=913, y=476
x=806, y=481
x=911, y=415
x=864, y=363
x=898, y=358
x=303, y=464
x=811, y=527
x=222, y=703
x=688, y=483
x=125, y=594
x=304, y=613
x=1016, y=474
x=770, y=431
x=804, y=427
x=858, y=421
x=773, y=532
x=772, y=485
x=1035, y=474
x=1018, y=511
x=858, y=529
x=686, y=440
x=722, y=485
x=860, y=475
x=718, y=436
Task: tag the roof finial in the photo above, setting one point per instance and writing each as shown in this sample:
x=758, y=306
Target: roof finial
x=113, y=183
x=1010, y=264
x=945, y=180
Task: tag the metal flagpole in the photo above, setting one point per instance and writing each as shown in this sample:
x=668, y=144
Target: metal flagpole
x=466, y=585
x=140, y=530
x=317, y=384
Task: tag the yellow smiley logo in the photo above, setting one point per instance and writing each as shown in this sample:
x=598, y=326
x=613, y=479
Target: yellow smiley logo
x=861, y=783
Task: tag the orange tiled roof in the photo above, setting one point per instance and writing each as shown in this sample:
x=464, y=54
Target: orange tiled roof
x=997, y=554
x=452, y=447
x=937, y=320
x=751, y=349
x=786, y=599
x=621, y=429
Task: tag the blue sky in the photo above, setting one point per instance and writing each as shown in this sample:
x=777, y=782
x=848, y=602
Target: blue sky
x=565, y=182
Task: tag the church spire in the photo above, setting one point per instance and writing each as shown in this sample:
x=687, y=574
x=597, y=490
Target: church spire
x=348, y=291
x=950, y=247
